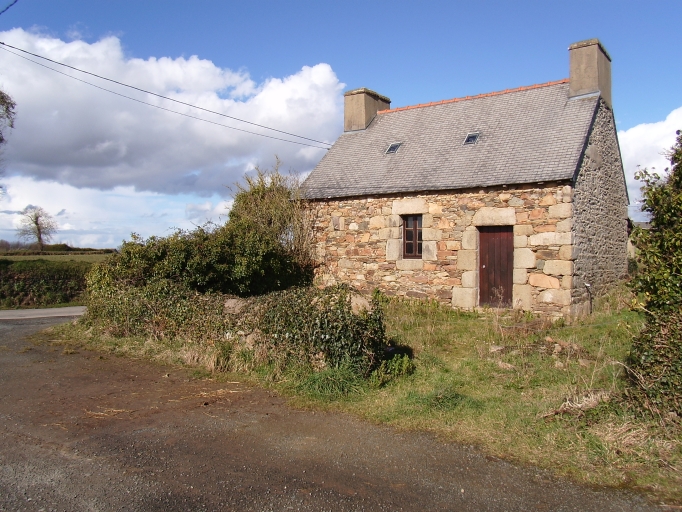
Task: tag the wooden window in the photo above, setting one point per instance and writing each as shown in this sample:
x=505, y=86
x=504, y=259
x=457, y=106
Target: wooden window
x=496, y=266
x=412, y=236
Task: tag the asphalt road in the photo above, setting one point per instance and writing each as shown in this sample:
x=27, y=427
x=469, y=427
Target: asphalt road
x=91, y=432
x=17, y=314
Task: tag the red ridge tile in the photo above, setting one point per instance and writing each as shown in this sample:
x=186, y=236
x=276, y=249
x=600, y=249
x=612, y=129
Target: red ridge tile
x=484, y=95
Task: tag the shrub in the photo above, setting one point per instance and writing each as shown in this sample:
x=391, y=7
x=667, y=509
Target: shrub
x=41, y=282
x=319, y=327
x=656, y=357
x=259, y=250
x=161, y=309
x=656, y=362
x=391, y=368
x=272, y=205
x=179, y=288
x=196, y=259
x=300, y=328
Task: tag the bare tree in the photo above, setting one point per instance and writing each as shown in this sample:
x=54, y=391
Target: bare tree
x=36, y=226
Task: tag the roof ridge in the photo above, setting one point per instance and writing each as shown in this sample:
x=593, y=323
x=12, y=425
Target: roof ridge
x=484, y=95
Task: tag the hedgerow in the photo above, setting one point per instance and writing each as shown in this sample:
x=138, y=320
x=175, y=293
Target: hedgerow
x=656, y=357
x=41, y=282
x=160, y=309
x=304, y=328
x=319, y=326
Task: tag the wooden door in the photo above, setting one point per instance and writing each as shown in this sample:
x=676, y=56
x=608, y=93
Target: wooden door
x=496, y=265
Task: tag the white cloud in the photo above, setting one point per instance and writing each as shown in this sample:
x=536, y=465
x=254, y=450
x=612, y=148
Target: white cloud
x=75, y=134
x=644, y=145
x=207, y=211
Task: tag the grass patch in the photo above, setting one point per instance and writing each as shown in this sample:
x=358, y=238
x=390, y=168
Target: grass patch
x=442, y=399
x=519, y=387
x=331, y=383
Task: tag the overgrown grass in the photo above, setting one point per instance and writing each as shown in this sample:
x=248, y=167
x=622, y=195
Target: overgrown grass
x=516, y=386
x=530, y=391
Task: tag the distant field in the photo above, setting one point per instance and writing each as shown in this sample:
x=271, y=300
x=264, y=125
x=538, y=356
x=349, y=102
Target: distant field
x=59, y=257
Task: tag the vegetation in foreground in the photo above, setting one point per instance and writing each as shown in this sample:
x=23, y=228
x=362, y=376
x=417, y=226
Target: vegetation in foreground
x=551, y=395
x=554, y=396
x=265, y=246
x=656, y=360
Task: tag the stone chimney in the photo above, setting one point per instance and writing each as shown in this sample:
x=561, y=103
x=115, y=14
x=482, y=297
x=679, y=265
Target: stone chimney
x=360, y=107
x=590, y=70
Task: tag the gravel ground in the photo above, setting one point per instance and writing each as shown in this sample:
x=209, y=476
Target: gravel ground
x=91, y=432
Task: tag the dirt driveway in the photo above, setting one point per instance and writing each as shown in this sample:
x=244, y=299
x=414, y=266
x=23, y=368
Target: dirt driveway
x=90, y=432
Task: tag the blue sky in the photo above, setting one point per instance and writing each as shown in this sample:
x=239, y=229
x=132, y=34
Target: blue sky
x=287, y=64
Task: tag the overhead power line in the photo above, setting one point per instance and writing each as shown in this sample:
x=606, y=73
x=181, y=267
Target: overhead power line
x=5, y=47
x=164, y=108
x=10, y=5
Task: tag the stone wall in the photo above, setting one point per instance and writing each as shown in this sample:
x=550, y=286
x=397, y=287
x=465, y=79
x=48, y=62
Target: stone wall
x=600, y=201
x=359, y=242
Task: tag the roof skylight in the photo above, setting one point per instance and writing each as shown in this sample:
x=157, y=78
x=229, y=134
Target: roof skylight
x=393, y=148
x=472, y=138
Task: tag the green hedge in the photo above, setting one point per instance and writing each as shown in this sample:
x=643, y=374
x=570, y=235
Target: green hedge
x=184, y=288
x=233, y=259
x=41, y=282
x=160, y=309
x=656, y=362
x=299, y=326
x=320, y=326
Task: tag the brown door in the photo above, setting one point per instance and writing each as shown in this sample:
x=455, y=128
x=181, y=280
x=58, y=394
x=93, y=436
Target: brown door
x=496, y=265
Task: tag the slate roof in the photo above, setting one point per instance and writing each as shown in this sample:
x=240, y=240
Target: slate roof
x=527, y=135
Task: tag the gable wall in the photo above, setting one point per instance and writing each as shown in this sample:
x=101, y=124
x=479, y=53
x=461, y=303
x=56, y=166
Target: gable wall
x=359, y=243
x=601, y=210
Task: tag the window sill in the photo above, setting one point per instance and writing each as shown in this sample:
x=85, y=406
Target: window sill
x=409, y=264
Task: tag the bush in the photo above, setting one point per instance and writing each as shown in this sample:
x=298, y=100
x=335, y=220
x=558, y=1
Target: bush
x=260, y=249
x=41, y=282
x=300, y=328
x=319, y=327
x=656, y=362
x=162, y=309
x=656, y=356
x=396, y=366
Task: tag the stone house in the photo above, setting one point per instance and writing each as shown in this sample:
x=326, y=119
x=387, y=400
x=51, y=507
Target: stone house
x=514, y=198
